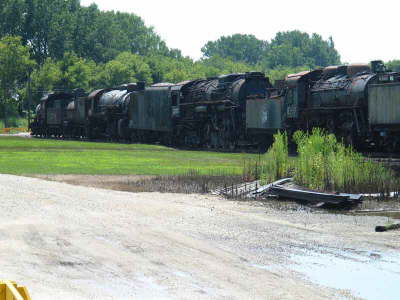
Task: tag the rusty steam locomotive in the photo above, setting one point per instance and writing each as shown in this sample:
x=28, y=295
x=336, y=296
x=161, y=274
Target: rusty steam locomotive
x=359, y=103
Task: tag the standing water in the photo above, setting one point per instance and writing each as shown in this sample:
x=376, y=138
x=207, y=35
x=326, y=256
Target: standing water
x=369, y=275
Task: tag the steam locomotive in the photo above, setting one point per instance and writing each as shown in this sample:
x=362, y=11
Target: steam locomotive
x=198, y=113
x=359, y=103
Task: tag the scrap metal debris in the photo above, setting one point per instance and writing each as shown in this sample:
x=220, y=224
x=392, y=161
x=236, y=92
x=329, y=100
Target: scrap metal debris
x=284, y=188
x=387, y=227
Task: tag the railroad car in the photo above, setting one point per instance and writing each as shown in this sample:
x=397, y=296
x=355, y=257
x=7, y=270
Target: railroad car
x=198, y=113
x=359, y=103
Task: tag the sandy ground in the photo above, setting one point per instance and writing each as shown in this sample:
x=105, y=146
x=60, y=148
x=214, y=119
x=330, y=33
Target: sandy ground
x=74, y=242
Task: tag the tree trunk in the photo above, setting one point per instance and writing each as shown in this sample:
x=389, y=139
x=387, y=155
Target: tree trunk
x=5, y=115
x=3, y=105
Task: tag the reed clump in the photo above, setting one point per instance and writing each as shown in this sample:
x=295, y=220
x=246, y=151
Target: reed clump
x=276, y=162
x=325, y=164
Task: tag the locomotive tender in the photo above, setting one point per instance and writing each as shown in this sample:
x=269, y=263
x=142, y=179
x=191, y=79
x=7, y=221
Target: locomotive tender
x=359, y=103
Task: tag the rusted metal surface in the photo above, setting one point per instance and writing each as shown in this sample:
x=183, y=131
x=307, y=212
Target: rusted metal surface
x=151, y=110
x=96, y=93
x=387, y=227
x=384, y=104
x=280, y=189
x=329, y=72
x=55, y=106
x=354, y=69
x=238, y=190
x=264, y=114
x=114, y=102
x=77, y=111
x=293, y=79
x=162, y=84
x=340, y=90
x=313, y=197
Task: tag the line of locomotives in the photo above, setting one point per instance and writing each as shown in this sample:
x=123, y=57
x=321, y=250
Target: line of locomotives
x=360, y=103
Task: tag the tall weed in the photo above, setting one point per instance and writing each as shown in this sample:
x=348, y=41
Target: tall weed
x=276, y=163
x=325, y=164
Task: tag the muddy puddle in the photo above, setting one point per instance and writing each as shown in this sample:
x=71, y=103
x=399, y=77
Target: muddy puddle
x=369, y=275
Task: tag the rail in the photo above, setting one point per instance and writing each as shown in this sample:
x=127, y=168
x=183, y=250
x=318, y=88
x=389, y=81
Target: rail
x=9, y=290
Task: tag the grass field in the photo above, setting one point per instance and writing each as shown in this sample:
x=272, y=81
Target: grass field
x=37, y=156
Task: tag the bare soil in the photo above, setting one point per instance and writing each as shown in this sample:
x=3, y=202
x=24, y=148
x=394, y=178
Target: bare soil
x=74, y=242
x=186, y=184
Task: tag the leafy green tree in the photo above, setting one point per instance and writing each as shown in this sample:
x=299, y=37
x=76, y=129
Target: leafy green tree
x=44, y=79
x=393, y=65
x=11, y=17
x=287, y=49
x=67, y=74
x=15, y=64
x=76, y=72
x=296, y=48
x=238, y=47
x=280, y=73
x=53, y=27
x=222, y=65
x=125, y=68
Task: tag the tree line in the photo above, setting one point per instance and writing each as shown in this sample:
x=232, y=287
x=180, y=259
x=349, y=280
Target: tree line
x=62, y=45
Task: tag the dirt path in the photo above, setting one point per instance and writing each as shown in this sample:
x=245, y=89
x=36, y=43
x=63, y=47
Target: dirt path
x=73, y=242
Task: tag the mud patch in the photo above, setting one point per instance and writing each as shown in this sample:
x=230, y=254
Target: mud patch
x=190, y=183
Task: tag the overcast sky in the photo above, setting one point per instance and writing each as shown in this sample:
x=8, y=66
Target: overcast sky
x=362, y=30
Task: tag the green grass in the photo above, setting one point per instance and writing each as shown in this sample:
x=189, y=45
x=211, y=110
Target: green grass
x=37, y=156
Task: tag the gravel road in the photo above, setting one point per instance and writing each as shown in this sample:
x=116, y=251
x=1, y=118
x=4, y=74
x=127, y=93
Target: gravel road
x=74, y=242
